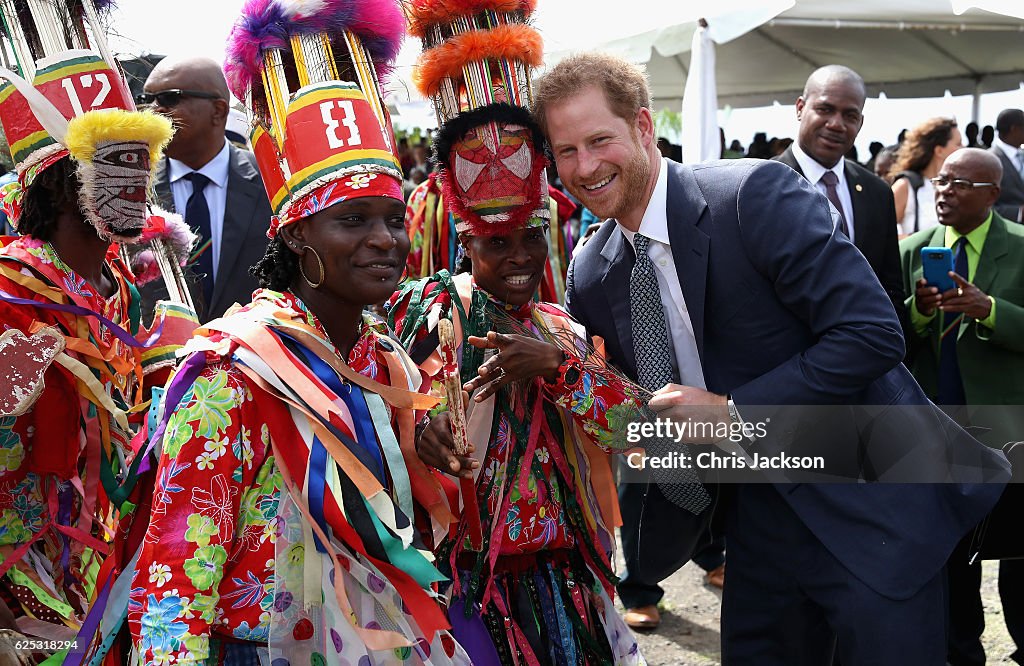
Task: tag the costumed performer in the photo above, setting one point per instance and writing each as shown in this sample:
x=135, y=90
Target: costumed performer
x=430, y=220
x=281, y=529
x=530, y=556
x=73, y=386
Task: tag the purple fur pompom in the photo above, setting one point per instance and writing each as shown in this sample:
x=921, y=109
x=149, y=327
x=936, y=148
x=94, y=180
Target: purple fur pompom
x=266, y=24
x=261, y=26
x=103, y=6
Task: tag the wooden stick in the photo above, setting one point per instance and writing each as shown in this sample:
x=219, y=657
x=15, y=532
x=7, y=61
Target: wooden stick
x=453, y=385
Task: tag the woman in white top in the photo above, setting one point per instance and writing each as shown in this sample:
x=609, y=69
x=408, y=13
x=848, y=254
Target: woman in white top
x=922, y=153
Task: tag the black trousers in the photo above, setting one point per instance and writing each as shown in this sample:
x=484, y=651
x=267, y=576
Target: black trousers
x=658, y=538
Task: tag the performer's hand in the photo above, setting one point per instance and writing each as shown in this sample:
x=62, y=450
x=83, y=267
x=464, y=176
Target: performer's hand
x=706, y=412
x=518, y=357
x=436, y=448
x=927, y=298
x=966, y=298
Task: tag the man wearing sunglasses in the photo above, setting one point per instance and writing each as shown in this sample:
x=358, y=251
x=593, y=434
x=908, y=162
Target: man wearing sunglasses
x=968, y=354
x=213, y=184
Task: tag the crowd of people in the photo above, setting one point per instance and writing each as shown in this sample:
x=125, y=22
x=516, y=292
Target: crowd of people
x=379, y=406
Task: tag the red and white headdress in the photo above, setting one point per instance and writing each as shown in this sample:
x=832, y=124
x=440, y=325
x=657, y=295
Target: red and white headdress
x=476, y=67
x=71, y=99
x=309, y=73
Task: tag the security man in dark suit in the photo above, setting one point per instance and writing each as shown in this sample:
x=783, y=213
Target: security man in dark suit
x=830, y=112
x=1009, y=148
x=213, y=184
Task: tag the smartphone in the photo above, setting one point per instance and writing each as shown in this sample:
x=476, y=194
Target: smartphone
x=937, y=263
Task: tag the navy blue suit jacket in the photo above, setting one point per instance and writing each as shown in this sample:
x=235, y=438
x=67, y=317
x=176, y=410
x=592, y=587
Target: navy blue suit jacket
x=787, y=312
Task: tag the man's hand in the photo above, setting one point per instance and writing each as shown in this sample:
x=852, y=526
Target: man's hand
x=927, y=298
x=966, y=298
x=687, y=403
x=436, y=448
x=518, y=357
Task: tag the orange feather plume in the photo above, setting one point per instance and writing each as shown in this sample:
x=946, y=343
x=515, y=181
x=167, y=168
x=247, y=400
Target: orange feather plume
x=511, y=42
x=424, y=13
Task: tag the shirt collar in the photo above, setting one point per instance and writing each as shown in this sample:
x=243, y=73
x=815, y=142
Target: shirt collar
x=654, y=224
x=813, y=170
x=975, y=238
x=216, y=169
x=1012, y=152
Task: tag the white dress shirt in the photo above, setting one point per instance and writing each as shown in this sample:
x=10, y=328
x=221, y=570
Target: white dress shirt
x=813, y=171
x=216, y=193
x=685, y=359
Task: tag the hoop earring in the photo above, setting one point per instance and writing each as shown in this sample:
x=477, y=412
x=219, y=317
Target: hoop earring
x=319, y=263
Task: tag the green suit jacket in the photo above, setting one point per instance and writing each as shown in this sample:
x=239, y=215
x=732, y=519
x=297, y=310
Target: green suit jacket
x=991, y=360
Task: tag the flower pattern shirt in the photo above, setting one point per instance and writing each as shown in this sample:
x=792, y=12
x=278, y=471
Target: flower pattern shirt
x=597, y=401
x=207, y=565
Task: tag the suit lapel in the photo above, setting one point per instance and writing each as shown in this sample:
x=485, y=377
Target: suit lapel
x=789, y=159
x=243, y=187
x=991, y=254
x=1009, y=166
x=620, y=260
x=162, y=186
x=859, y=199
x=690, y=244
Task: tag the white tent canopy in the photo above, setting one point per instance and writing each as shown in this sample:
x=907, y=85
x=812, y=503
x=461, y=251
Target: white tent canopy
x=904, y=48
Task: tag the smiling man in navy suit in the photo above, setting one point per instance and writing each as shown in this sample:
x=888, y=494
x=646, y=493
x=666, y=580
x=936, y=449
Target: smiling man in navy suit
x=765, y=303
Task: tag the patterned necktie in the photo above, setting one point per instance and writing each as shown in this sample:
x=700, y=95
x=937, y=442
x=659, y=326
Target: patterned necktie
x=951, y=384
x=197, y=216
x=654, y=370
x=831, y=180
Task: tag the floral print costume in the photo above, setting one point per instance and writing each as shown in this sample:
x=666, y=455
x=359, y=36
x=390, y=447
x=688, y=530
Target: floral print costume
x=66, y=466
x=540, y=581
x=278, y=516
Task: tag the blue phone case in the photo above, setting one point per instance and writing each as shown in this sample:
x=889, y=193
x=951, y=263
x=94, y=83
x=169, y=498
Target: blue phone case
x=937, y=263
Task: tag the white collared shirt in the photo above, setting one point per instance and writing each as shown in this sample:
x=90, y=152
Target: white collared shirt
x=216, y=193
x=1013, y=153
x=685, y=359
x=813, y=171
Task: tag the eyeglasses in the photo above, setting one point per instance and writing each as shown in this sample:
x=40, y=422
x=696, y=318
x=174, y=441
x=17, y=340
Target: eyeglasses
x=958, y=184
x=171, y=98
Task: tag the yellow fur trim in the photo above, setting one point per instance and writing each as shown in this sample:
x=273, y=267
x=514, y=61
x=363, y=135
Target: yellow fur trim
x=89, y=130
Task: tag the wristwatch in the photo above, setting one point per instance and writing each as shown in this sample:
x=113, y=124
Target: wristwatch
x=734, y=412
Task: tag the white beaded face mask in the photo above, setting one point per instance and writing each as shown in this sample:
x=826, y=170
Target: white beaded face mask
x=114, y=186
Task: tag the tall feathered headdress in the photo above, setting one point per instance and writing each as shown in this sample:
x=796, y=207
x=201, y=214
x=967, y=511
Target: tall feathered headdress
x=70, y=95
x=475, y=66
x=309, y=72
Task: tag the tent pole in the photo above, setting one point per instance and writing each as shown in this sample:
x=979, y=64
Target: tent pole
x=976, y=101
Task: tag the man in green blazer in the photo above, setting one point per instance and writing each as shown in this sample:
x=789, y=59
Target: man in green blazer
x=967, y=351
